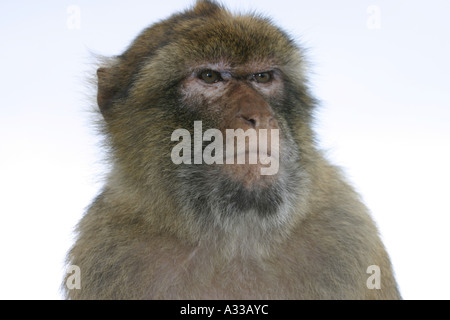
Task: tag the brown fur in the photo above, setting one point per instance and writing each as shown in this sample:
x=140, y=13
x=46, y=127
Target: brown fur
x=162, y=231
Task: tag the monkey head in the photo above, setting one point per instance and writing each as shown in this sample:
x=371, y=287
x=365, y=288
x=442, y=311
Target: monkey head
x=230, y=72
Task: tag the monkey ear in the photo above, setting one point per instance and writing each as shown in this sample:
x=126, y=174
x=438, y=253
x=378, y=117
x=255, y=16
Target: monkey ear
x=106, y=91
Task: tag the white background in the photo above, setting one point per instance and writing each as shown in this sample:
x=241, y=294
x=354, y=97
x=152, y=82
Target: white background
x=380, y=69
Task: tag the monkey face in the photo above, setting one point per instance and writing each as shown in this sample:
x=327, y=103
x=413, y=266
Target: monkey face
x=229, y=76
x=237, y=108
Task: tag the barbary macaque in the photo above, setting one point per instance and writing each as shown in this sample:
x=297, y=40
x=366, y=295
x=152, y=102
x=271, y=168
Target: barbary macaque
x=180, y=216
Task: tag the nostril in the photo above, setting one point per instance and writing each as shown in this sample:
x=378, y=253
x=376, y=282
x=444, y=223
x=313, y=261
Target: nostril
x=250, y=120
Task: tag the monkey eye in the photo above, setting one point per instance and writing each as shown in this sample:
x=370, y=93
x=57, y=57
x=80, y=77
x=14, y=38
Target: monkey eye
x=210, y=76
x=262, y=77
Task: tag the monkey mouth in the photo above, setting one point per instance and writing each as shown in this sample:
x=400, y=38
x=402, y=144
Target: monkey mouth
x=249, y=175
x=261, y=158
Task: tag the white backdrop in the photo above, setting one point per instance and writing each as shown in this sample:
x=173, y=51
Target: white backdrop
x=380, y=69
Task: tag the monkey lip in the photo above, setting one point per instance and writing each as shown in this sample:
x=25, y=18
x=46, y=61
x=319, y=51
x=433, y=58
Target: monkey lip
x=261, y=158
x=250, y=174
x=253, y=169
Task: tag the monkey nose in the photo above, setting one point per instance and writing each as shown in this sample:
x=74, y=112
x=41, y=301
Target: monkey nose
x=258, y=121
